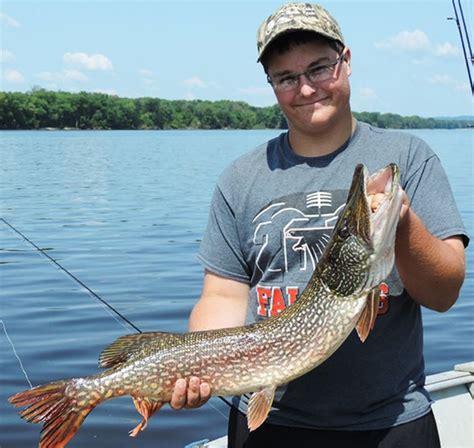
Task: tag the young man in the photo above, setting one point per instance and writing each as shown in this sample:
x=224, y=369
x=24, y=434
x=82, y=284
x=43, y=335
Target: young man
x=258, y=254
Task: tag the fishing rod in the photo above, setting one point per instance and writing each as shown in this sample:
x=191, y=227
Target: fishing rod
x=466, y=32
x=93, y=293
x=463, y=38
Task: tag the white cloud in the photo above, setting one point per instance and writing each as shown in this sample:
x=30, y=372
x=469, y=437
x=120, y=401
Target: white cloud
x=6, y=56
x=367, y=93
x=440, y=79
x=146, y=73
x=63, y=76
x=47, y=76
x=89, y=62
x=446, y=49
x=74, y=75
x=417, y=42
x=464, y=87
x=406, y=41
x=448, y=81
x=13, y=76
x=420, y=61
x=194, y=82
x=9, y=21
x=147, y=77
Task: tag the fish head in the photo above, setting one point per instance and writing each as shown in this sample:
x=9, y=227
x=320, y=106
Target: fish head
x=361, y=252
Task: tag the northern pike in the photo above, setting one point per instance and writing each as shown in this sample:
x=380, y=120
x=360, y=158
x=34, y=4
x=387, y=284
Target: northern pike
x=342, y=294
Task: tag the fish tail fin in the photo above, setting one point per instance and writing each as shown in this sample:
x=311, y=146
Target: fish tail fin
x=59, y=407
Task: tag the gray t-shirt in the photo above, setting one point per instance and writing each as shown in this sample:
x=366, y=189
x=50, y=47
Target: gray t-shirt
x=271, y=216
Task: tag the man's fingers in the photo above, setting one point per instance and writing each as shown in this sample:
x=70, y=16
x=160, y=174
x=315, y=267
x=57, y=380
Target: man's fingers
x=375, y=200
x=193, y=398
x=205, y=392
x=189, y=395
x=178, y=399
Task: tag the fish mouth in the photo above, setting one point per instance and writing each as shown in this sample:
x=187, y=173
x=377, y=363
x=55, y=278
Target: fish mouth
x=383, y=220
x=361, y=252
x=374, y=224
x=376, y=228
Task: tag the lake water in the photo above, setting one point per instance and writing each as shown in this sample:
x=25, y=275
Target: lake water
x=124, y=211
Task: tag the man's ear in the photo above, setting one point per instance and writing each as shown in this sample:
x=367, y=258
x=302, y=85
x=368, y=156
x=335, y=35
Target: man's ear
x=347, y=59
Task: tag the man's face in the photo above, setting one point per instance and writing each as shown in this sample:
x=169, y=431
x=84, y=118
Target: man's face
x=312, y=107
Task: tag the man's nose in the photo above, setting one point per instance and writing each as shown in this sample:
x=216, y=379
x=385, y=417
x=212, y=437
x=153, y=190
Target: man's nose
x=306, y=87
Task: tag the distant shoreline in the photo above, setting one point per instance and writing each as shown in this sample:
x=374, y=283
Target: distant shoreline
x=48, y=110
x=49, y=129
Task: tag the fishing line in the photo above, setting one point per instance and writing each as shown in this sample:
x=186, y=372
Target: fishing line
x=93, y=293
x=70, y=274
x=16, y=354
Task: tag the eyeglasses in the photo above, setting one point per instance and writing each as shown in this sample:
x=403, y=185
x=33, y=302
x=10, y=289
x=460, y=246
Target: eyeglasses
x=314, y=74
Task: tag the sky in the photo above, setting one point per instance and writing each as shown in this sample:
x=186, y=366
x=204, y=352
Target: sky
x=406, y=56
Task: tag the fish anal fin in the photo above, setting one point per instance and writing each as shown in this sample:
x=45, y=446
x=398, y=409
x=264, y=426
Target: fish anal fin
x=367, y=319
x=259, y=406
x=146, y=407
x=126, y=346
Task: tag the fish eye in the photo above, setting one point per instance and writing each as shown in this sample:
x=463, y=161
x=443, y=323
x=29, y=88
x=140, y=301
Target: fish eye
x=344, y=231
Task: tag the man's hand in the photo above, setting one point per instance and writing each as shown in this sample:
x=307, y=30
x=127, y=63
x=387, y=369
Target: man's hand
x=377, y=198
x=193, y=395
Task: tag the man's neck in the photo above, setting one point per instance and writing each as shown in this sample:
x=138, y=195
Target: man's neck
x=322, y=142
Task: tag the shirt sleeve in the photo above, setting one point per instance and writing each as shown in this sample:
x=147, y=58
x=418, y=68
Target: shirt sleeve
x=430, y=195
x=221, y=249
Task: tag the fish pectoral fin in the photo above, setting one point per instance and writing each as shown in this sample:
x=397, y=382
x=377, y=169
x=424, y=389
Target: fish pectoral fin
x=259, y=406
x=146, y=407
x=126, y=346
x=367, y=319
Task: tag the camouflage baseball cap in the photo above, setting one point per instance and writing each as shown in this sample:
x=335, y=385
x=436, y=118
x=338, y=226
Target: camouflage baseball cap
x=297, y=17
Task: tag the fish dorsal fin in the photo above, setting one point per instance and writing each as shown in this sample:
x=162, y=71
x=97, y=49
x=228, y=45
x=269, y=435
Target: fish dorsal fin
x=259, y=406
x=123, y=348
x=367, y=319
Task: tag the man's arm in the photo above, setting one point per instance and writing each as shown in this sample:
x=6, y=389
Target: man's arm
x=223, y=303
x=432, y=270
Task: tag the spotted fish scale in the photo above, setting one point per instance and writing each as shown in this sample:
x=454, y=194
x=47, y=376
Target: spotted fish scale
x=340, y=296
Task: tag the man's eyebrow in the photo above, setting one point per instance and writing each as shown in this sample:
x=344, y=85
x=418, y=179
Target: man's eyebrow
x=320, y=61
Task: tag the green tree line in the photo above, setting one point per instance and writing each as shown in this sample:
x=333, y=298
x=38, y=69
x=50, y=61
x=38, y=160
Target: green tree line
x=39, y=109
